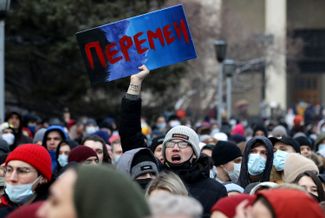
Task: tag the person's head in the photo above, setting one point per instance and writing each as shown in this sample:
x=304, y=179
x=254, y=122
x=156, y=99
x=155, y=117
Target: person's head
x=15, y=119
x=227, y=157
x=167, y=205
x=62, y=153
x=117, y=150
x=312, y=184
x=28, y=166
x=113, y=195
x=84, y=155
x=283, y=203
x=306, y=146
x=140, y=164
x=53, y=136
x=285, y=143
x=260, y=130
x=98, y=145
x=257, y=161
x=279, y=131
x=296, y=164
x=7, y=133
x=207, y=149
x=39, y=135
x=226, y=207
x=166, y=182
x=181, y=145
x=156, y=147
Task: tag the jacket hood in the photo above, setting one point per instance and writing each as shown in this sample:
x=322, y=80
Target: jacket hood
x=60, y=129
x=244, y=177
x=124, y=164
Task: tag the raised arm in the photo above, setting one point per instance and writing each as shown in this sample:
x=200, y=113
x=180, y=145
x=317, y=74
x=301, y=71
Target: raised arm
x=130, y=119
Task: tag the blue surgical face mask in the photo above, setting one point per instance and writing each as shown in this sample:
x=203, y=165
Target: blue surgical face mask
x=279, y=160
x=256, y=164
x=20, y=194
x=63, y=160
x=234, y=175
x=321, y=147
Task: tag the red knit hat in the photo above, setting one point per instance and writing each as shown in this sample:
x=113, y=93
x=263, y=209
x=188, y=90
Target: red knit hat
x=228, y=205
x=81, y=153
x=35, y=155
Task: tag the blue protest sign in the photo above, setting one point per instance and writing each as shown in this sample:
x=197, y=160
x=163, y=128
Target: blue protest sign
x=156, y=39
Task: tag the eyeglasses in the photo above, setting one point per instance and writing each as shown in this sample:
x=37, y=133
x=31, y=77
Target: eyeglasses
x=20, y=171
x=180, y=144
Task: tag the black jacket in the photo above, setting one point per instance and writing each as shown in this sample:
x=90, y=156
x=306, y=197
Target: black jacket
x=199, y=184
x=196, y=176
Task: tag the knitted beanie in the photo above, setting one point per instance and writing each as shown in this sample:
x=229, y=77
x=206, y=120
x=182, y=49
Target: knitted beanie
x=304, y=141
x=156, y=141
x=279, y=131
x=296, y=164
x=81, y=153
x=183, y=133
x=35, y=155
x=224, y=152
x=228, y=205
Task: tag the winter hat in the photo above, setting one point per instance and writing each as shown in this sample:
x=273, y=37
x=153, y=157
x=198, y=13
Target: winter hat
x=237, y=138
x=183, y=133
x=262, y=186
x=279, y=131
x=224, y=152
x=296, y=164
x=260, y=127
x=156, y=141
x=142, y=163
x=232, y=187
x=291, y=203
x=286, y=140
x=220, y=136
x=228, y=205
x=35, y=155
x=102, y=134
x=39, y=135
x=81, y=153
x=304, y=141
x=117, y=195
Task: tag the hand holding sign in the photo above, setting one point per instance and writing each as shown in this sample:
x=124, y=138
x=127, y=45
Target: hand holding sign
x=156, y=39
x=137, y=79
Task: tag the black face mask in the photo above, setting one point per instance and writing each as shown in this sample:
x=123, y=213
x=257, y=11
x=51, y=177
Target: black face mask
x=143, y=182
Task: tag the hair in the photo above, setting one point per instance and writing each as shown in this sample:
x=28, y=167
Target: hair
x=316, y=180
x=95, y=138
x=169, y=205
x=167, y=181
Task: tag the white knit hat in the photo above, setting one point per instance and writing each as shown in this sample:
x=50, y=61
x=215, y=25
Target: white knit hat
x=296, y=164
x=184, y=133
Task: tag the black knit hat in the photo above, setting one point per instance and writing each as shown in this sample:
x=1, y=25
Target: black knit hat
x=260, y=127
x=286, y=140
x=304, y=141
x=224, y=152
x=156, y=141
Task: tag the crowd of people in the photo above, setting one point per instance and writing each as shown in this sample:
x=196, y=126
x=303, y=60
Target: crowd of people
x=170, y=169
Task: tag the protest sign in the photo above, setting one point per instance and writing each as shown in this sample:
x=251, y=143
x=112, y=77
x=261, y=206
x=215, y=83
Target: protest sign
x=156, y=39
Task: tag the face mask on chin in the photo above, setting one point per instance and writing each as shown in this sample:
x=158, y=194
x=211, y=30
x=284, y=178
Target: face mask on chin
x=20, y=194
